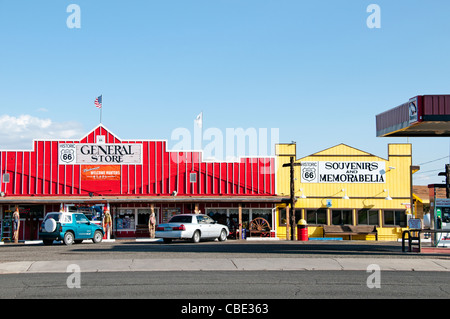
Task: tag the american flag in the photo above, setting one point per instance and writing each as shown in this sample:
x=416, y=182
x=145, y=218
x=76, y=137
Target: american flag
x=98, y=102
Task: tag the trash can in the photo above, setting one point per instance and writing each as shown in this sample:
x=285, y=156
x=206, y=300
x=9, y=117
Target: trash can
x=302, y=230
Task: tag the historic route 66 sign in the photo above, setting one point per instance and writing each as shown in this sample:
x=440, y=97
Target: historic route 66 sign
x=309, y=174
x=67, y=154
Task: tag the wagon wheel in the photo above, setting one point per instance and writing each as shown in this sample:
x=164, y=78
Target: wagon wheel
x=260, y=224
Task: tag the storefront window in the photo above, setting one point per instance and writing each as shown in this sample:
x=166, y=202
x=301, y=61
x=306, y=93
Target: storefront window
x=394, y=218
x=218, y=214
x=368, y=217
x=126, y=219
x=263, y=213
x=169, y=212
x=282, y=215
x=316, y=217
x=29, y=211
x=143, y=216
x=234, y=216
x=341, y=217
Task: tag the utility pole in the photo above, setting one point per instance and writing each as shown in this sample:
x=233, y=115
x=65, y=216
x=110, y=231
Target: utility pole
x=447, y=179
x=292, y=200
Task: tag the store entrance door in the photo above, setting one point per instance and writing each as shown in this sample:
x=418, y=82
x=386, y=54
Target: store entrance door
x=32, y=225
x=30, y=218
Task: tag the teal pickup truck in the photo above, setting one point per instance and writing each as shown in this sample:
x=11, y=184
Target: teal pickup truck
x=70, y=228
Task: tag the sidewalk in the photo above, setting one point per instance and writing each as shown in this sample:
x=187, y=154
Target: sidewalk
x=237, y=256
x=227, y=264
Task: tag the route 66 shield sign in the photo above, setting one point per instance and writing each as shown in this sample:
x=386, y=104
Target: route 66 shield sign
x=309, y=174
x=67, y=154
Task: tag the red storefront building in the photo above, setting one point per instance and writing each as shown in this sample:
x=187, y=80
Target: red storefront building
x=130, y=177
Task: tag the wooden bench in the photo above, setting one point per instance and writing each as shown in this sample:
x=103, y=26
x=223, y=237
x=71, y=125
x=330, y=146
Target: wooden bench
x=350, y=230
x=142, y=232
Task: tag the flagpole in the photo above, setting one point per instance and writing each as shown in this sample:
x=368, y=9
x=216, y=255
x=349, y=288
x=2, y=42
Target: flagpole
x=201, y=134
x=101, y=110
x=99, y=104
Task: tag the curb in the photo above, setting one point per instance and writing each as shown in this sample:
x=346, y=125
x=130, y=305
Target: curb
x=226, y=264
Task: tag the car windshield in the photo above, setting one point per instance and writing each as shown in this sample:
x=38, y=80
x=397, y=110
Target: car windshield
x=55, y=216
x=181, y=219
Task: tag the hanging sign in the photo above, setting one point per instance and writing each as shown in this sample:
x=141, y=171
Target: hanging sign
x=99, y=154
x=343, y=172
x=100, y=172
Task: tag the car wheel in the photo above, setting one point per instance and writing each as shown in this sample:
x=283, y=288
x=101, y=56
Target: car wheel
x=223, y=235
x=98, y=237
x=47, y=242
x=69, y=238
x=167, y=240
x=196, y=237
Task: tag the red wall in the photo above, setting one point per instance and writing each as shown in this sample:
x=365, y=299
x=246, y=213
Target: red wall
x=37, y=172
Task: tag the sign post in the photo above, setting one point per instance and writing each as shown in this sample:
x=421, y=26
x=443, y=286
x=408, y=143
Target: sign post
x=292, y=201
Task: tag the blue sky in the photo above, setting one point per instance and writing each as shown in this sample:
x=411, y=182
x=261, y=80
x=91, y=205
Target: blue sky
x=312, y=69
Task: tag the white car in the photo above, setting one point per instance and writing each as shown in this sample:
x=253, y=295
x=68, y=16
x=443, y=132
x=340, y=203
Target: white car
x=193, y=227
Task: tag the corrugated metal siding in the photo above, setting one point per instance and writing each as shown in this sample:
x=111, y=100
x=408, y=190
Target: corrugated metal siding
x=37, y=172
x=436, y=105
x=393, y=119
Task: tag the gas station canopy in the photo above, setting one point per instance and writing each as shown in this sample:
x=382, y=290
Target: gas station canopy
x=423, y=115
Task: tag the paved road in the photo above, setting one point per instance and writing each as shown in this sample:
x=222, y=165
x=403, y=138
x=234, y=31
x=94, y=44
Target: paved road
x=228, y=285
x=127, y=269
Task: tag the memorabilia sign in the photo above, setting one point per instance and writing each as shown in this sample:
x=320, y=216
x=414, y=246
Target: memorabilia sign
x=99, y=154
x=343, y=172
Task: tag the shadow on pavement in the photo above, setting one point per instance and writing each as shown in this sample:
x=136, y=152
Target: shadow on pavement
x=253, y=248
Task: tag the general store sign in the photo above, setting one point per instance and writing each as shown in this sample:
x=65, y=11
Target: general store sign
x=343, y=172
x=99, y=154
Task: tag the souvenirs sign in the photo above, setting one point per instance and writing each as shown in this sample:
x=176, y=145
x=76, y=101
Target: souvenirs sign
x=99, y=154
x=343, y=172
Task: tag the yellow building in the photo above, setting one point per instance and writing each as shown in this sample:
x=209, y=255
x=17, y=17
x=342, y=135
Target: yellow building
x=346, y=186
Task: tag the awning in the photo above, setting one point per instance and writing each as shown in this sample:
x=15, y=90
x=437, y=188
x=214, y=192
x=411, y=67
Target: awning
x=426, y=116
x=140, y=199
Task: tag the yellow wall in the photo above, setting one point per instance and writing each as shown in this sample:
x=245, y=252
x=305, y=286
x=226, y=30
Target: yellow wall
x=362, y=195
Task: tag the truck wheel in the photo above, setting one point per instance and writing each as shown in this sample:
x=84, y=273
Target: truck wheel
x=47, y=242
x=98, y=237
x=69, y=238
